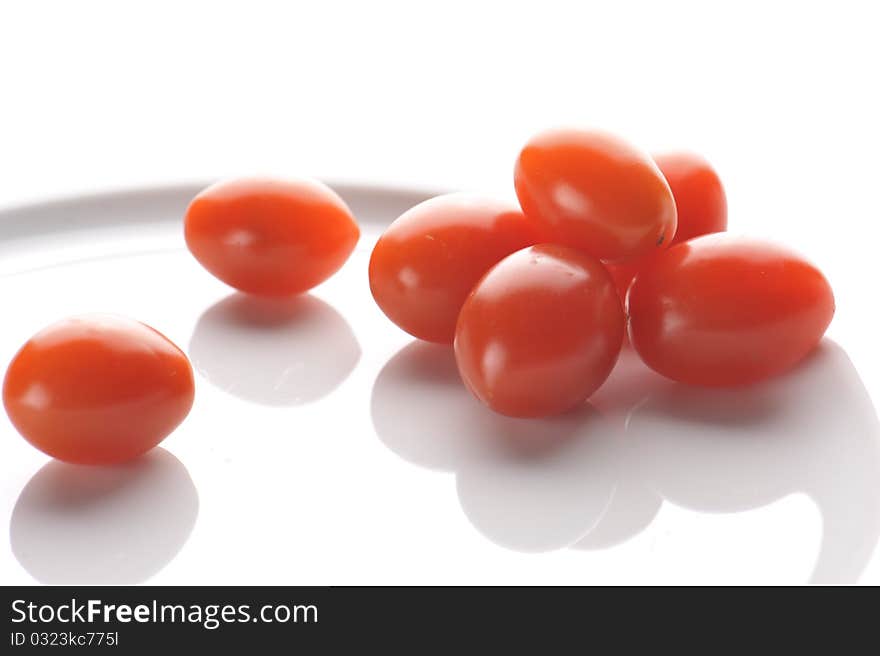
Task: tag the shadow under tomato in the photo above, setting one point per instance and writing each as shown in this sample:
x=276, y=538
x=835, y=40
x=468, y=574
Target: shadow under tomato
x=590, y=485
x=529, y=485
x=121, y=524
x=274, y=352
x=814, y=431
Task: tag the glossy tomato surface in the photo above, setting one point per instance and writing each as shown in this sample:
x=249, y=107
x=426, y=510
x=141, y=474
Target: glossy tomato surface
x=428, y=260
x=270, y=237
x=698, y=192
x=721, y=310
x=97, y=389
x=540, y=332
x=595, y=192
x=699, y=199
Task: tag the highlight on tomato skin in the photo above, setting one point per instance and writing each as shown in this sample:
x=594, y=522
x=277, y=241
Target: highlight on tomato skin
x=270, y=236
x=540, y=332
x=595, y=192
x=722, y=310
x=98, y=389
x=699, y=194
x=428, y=260
x=700, y=202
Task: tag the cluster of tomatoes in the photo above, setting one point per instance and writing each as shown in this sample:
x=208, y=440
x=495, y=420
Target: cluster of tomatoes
x=535, y=298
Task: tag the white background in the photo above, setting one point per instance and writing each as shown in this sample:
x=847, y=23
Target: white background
x=781, y=96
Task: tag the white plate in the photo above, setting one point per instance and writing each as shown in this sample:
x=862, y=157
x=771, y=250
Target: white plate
x=326, y=447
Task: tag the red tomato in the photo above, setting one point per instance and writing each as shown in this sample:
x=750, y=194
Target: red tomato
x=698, y=192
x=430, y=258
x=540, y=332
x=98, y=389
x=624, y=272
x=270, y=237
x=721, y=310
x=595, y=193
x=699, y=199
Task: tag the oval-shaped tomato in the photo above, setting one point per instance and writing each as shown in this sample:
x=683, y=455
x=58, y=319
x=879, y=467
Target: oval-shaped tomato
x=596, y=193
x=698, y=192
x=428, y=260
x=98, y=389
x=721, y=310
x=699, y=199
x=540, y=332
x=270, y=237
